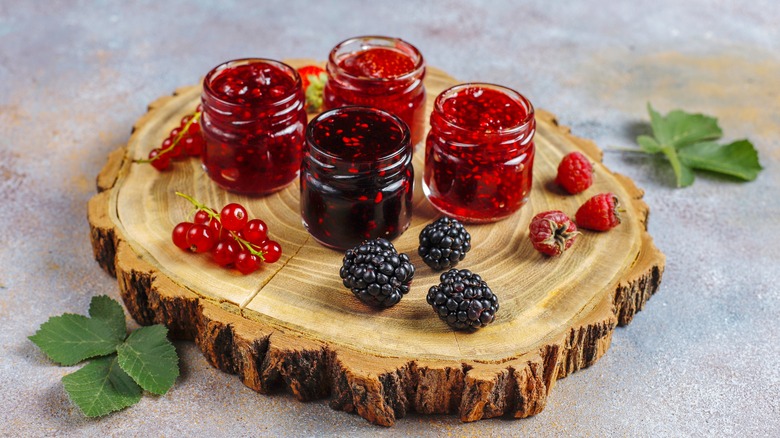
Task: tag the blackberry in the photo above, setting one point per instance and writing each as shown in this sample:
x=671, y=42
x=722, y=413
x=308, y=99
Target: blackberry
x=444, y=243
x=463, y=300
x=376, y=273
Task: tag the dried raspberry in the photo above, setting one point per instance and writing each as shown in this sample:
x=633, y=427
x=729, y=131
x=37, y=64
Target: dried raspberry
x=575, y=173
x=552, y=232
x=599, y=213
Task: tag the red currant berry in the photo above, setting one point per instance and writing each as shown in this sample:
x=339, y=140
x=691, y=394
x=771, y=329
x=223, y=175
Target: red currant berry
x=202, y=217
x=225, y=252
x=217, y=229
x=161, y=163
x=255, y=231
x=175, y=153
x=174, y=133
x=271, y=251
x=179, y=235
x=194, y=144
x=246, y=262
x=199, y=108
x=233, y=217
x=200, y=238
x=194, y=127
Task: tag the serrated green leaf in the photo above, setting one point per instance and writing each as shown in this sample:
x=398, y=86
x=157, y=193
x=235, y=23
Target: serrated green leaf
x=101, y=387
x=682, y=172
x=70, y=339
x=648, y=144
x=108, y=310
x=150, y=359
x=679, y=129
x=738, y=159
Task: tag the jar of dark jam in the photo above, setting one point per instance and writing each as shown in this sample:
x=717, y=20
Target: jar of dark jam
x=357, y=178
x=254, y=123
x=380, y=72
x=479, y=152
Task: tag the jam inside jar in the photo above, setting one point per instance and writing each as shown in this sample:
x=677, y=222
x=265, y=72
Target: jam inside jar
x=254, y=121
x=380, y=72
x=479, y=152
x=357, y=177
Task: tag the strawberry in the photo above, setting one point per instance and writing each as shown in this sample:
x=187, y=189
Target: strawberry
x=552, y=232
x=599, y=213
x=313, y=79
x=575, y=173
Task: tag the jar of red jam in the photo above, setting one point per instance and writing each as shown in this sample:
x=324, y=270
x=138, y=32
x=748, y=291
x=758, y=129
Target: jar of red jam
x=380, y=72
x=357, y=177
x=479, y=152
x=254, y=123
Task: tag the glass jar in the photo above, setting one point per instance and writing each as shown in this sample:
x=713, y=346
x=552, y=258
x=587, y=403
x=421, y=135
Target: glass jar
x=479, y=152
x=380, y=72
x=357, y=177
x=253, y=122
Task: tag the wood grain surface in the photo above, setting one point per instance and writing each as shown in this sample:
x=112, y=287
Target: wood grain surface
x=293, y=325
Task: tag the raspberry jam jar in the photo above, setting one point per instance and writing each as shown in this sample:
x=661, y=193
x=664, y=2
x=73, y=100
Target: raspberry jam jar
x=479, y=152
x=254, y=123
x=380, y=72
x=357, y=177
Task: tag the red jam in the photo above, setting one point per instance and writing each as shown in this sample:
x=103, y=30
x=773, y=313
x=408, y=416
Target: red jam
x=380, y=72
x=357, y=177
x=479, y=152
x=253, y=123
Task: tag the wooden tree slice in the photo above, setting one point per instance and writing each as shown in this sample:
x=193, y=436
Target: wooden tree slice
x=293, y=325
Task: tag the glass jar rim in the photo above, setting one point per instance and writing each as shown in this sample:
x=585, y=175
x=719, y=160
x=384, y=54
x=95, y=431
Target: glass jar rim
x=396, y=152
x=214, y=73
x=419, y=66
x=514, y=95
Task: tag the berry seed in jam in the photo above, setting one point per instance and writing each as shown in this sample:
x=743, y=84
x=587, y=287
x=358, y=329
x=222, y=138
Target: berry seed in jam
x=479, y=152
x=357, y=178
x=380, y=72
x=253, y=123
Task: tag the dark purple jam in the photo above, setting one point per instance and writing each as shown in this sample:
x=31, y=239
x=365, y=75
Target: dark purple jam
x=357, y=178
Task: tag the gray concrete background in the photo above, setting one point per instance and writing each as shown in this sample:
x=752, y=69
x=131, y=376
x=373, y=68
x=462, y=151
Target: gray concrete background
x=701, y=359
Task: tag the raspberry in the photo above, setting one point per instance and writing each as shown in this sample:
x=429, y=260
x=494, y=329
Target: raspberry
x=599, y=213
x=444, y=243
x=376, y=273
x=463, y=300
x=552, y=232
x=575, y=173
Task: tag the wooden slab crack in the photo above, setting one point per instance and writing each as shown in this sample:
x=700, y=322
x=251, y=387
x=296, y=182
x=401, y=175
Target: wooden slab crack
x=293, y=327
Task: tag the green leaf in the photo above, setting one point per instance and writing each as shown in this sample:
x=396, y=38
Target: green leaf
x=101, y=387
x=648, y=144
x=687, y=140
x=738, y=159
x=150, y=359
x=683, y=173
x=679, y=129
x=70, y=339
x=109, y=311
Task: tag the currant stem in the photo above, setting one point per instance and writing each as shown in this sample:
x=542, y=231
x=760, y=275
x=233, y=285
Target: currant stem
x=195, y=118
x=214, y=215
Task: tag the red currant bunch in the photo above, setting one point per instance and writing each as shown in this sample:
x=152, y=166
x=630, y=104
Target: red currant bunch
x=232, y=238
x=185, y=140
